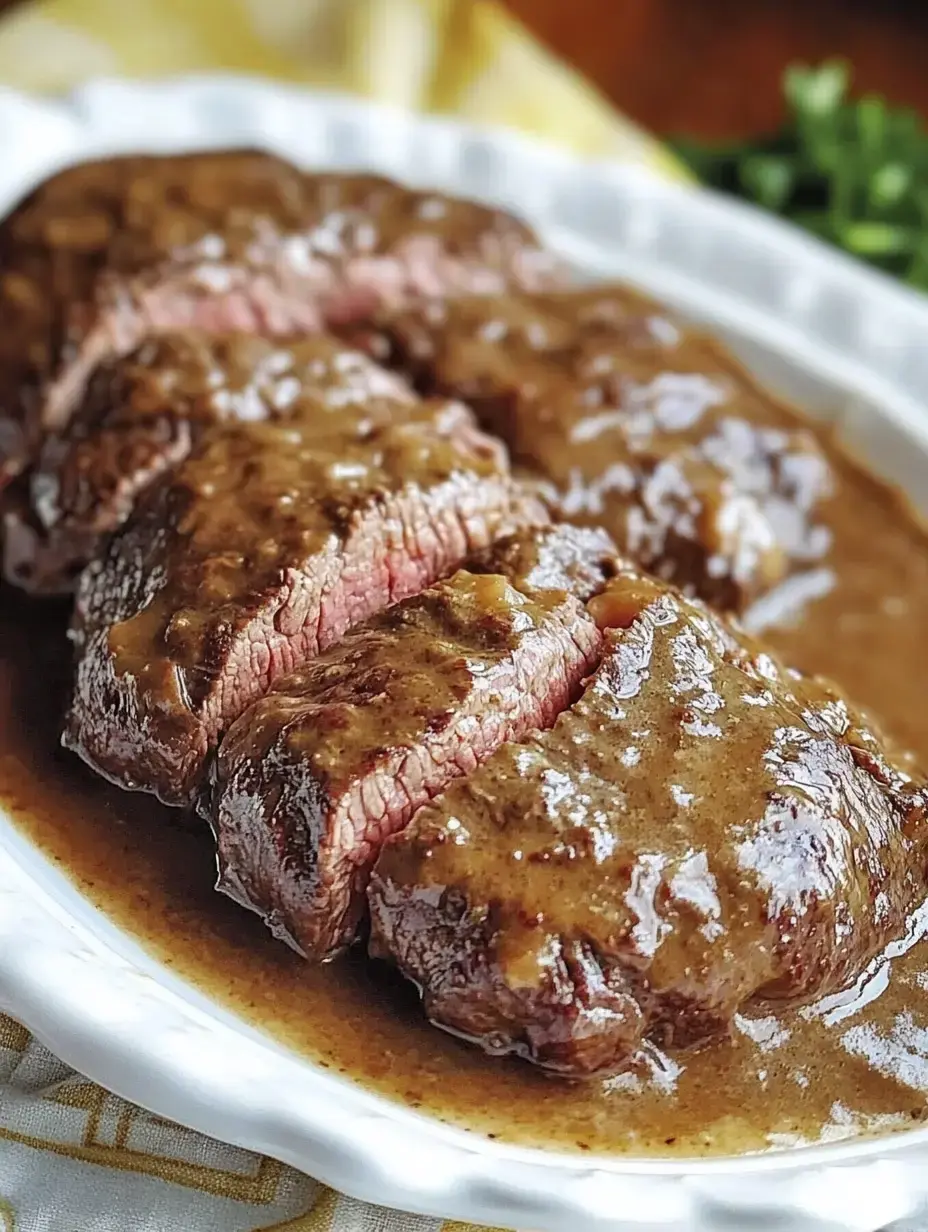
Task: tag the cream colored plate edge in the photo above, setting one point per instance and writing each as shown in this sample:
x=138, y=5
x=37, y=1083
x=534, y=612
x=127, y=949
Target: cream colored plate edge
x=849, y=342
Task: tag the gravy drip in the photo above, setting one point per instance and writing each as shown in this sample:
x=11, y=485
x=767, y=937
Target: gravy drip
x=855, y=1063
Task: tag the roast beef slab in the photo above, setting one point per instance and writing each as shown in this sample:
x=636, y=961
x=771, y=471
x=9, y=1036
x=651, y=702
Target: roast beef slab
x=140, y=416
x=631, y=420
x=262, y=549
x=105, y=253
x=704, y=827
x=311, y=779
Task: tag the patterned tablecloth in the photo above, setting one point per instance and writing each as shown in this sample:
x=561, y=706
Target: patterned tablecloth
x=73, y=1157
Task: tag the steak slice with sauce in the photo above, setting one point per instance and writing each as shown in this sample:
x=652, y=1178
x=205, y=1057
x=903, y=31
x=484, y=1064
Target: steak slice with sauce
x=264, y=548
x=105, y=253
x=311, y=779
x=702, y=828
x=630, y=420
x=140, y=417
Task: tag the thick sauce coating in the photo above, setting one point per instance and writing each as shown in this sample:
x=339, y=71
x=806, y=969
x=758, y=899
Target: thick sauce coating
x=142, y=415
x=703, y=827
x=854, y=1063
x=266, y=546
x=626, y=418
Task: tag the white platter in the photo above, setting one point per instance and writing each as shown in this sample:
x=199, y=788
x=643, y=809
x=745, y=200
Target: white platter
x=847, y=342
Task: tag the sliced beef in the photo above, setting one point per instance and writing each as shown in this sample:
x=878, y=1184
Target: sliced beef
x=704, y=827
x=141, y=415
x=630, y=420
x=267, y=544
x=107, y=252
x=310, y=780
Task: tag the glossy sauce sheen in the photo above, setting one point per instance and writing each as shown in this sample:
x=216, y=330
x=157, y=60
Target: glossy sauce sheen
x=821, y=1073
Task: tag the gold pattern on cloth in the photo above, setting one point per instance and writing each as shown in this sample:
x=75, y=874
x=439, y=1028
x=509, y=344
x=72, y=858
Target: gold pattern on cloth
x=97, y=1127
x=75, y=1150
x=12, y=1035
x=467, y=1227
x=321, y=1218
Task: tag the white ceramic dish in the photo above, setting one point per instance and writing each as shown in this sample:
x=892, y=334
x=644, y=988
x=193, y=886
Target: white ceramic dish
x=848, y=343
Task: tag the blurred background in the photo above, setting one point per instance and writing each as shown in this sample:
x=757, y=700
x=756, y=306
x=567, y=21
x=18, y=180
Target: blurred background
x=714, y=67
x=814, y=109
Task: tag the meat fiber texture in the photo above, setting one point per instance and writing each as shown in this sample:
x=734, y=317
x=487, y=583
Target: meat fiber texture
x=264, y=548
x=311, y=779
x=702, y=829
x=140, y=417
x=106, y=253
x=627, y=418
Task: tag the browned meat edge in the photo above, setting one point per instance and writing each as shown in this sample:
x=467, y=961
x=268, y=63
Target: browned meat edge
x=311, y=779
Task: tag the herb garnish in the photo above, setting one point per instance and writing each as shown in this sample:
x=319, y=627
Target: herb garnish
x=854, y=172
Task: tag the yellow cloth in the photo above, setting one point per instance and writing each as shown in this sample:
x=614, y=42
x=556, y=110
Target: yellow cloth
x=71, y=1154
x=465, y=57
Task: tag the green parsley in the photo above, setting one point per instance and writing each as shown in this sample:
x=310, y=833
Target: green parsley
x=853, y=172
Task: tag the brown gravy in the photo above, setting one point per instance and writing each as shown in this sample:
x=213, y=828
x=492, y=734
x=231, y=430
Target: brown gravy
x=858, y=1063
